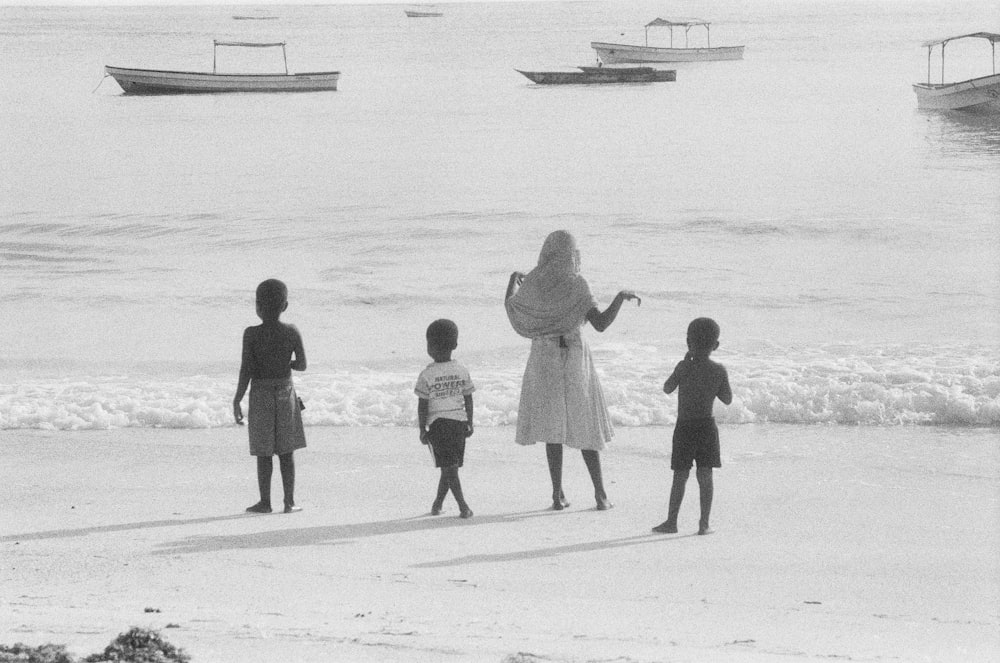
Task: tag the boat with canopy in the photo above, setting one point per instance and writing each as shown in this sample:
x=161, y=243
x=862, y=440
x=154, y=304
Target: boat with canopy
x=158, y=81
x=629, y=53
x=973, y=94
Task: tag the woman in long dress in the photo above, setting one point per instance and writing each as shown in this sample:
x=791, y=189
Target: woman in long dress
x=561, y=398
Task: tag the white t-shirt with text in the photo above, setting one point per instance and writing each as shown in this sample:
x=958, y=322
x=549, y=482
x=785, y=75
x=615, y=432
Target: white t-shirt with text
x=444, y=385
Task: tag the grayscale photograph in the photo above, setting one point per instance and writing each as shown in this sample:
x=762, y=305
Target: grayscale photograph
x=499, y=331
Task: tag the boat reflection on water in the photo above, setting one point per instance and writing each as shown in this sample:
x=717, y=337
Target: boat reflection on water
x=962, y=132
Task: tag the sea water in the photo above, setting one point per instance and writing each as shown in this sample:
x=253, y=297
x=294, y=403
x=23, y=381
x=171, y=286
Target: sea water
x=846, y=242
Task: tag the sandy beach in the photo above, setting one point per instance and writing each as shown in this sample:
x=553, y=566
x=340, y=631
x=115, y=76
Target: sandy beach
x=831, y=542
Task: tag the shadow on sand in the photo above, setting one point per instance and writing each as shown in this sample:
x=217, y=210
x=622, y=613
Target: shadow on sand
x=553, y=551
x=122, y=527
x=339, y=534
x=332, y=534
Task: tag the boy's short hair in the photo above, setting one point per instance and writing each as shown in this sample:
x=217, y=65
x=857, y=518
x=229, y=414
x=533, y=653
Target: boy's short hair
x=703, y=334
x=443, y=333
x=272, y=295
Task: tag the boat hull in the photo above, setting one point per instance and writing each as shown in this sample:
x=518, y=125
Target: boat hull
x=974, y=94
x=153, y=81
x=628, y=53
x=600, y=75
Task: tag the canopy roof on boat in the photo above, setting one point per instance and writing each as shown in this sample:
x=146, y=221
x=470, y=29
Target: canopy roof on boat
x=676, y=22
x=990, y=36
x=249, y=44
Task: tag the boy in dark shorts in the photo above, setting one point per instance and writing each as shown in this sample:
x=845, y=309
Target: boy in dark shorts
x=271, y=351
x=696, y=437
x=444, y=411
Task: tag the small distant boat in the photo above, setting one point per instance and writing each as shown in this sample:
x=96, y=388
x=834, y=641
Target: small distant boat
x=423, y=11
x=628, y=53
x=974, y=94
x=597, y=75
x=254, y=17
x=157, y=81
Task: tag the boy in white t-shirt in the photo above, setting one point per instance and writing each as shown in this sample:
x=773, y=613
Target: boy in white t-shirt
x=444, y=411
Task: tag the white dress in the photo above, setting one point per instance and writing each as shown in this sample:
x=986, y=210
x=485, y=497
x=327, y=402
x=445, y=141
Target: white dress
x=561, y=397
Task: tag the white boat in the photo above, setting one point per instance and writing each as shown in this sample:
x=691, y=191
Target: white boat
x=158, y=81
x=610, y=53
x=974, y=94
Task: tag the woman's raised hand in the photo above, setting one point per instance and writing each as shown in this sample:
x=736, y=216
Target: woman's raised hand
x=626, y=295
x=516, y=279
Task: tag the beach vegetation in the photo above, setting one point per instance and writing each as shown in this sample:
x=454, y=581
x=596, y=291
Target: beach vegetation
x=137, y=645
x=21, y=653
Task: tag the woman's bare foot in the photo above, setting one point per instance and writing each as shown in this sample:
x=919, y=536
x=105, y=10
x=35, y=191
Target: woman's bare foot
x=436, y=509
x=603, y=503
x=466, y=512
x=705, y=529
x=259, y=507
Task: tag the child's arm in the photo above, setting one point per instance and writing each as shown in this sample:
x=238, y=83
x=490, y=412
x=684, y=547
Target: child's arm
x=298, y=350
x=602, y=320
x=725, y=393
x=469, y=427
x=422, y=418
x=516, y=279
x=675, y=378
x=244, y=380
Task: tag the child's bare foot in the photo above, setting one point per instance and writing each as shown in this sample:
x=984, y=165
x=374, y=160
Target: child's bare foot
x=259, y=507
x=666, y=527
x=436, y=509
x=705, y=529
x=559, y=502
x=466, y=512
x=291, y=508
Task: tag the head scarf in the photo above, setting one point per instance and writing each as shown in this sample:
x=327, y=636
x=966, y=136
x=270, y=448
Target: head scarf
x=554, y=298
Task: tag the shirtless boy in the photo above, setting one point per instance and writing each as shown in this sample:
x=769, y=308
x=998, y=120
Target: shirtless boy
x=696, y=437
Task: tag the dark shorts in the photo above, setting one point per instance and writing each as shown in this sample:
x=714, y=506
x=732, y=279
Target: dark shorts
x=695, y=440
x=447, y=439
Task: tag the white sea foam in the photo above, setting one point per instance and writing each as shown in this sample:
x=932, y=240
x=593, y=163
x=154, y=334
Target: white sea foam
x=820, y=386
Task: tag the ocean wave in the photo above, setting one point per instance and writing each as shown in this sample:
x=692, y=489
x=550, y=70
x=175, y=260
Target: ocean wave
x=821, y=387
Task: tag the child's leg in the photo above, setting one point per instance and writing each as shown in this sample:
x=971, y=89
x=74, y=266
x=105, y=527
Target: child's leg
x=287, y=464
x=554, y=455
x=444, y=483
x=265, y=467
x=669, y=526
x=706, y=489
x=456, y=490
x=592, y=458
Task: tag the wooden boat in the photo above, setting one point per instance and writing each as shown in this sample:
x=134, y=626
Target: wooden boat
x=596, y=75
x=974, y=94
x=158, y=81
x=426, y=11
x=610, y=53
